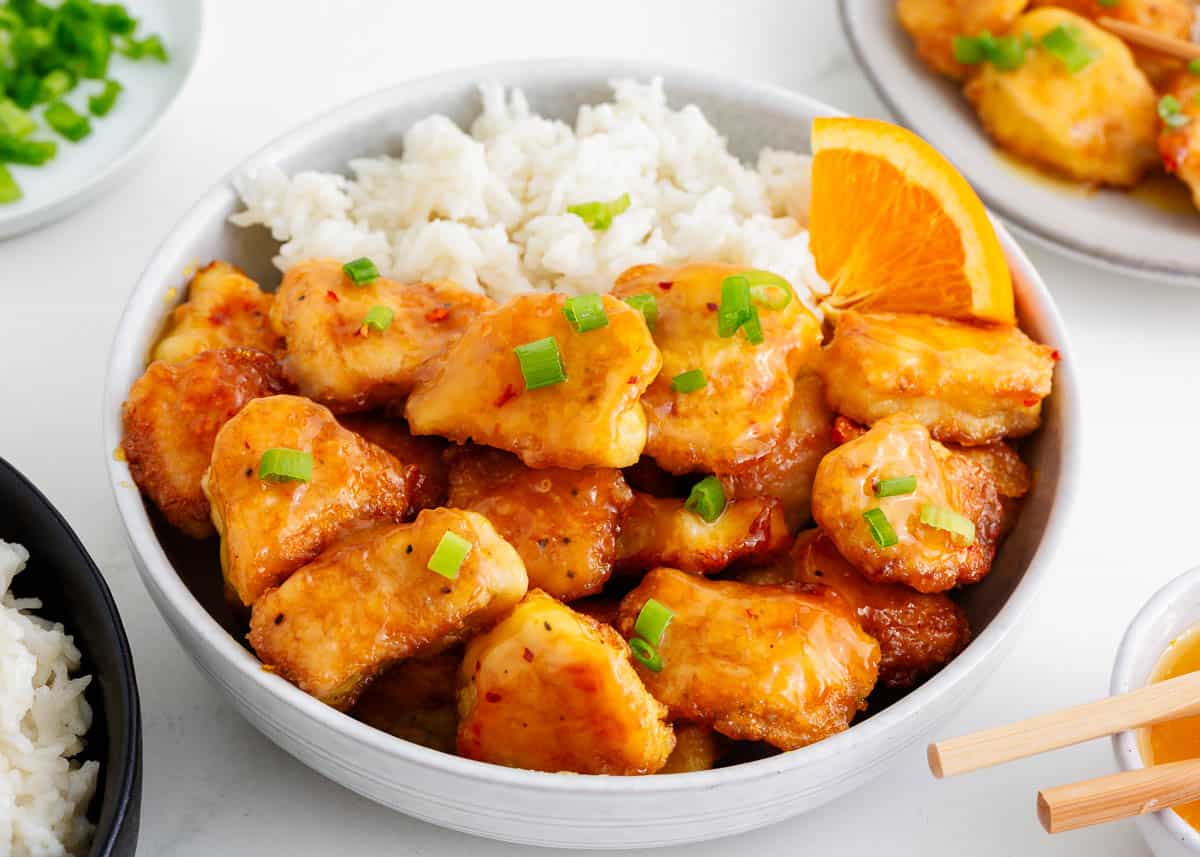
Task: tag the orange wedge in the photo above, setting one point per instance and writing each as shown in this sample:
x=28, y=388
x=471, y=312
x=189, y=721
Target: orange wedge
x=894, y=227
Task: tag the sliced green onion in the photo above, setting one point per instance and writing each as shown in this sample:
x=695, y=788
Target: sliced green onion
x=1066, y=42
x=895, y=486
x=10, y=191
x=770, y=290
x=541, y=363
x=652, y=621
x=1171, y=112
x=102, y=103
x=880, y=527
x=585, y=312
x=361, y=271
x=449, y=555
x=647, y=306
x=753, y=328
x=1109, y=4
x=285, y=465
x=14, y=121
x=1194, y=66
x=117, y=19
x=14, y=150
x=24, y=90
x=136, y=49
x=735, y=305
x=62, y=118
x=1005, y=52
x=55, y=85
x=689, y=381
x=707, y=499
x=378, y=317
x=941, y=518
x=646, y=654
x=599, y=215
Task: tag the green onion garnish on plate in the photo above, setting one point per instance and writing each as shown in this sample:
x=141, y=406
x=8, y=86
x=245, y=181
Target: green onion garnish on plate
x=895, y=486
x=10, y=191
x=646, y=654
x=285, y=465
x=599, y=215
x=541, y=363
x=707, y=499
x=55, y=85
x=1171, y=112
x=449, y=555
x=102, y=103
x=14, y=121
x=1006, y=53
x=64, y=119
x=689, y=381
x=880, y=527
x=361, y=271
x=770, y=290
x=753, y=328
x=652, y=621
x=14, y=150
x=378, y=318
x=1067, y=43
x=735, y=305
x=647, y=305
x=585, y=312
x=941, y=518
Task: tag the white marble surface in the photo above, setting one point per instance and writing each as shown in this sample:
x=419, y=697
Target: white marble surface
x=214, y=786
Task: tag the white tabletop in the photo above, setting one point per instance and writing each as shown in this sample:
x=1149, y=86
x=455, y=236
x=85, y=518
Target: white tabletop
x=214, y=786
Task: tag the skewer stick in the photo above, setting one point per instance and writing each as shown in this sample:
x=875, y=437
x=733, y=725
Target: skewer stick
x=1118, y=796
x=1150, y=40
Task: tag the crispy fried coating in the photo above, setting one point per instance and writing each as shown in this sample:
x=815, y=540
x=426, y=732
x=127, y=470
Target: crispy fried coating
x=372, y=601
x=334, y=359
x=224, y=309
x=934, y=24
x=429, y=484
x=1096, y=124
x=171, y=420
x=660, y=531
x=415, y=700
x=553, y=690
x=742, y=409
x=925, y=558
x=918, y=632
x=697, y=748
x=269, y=529
x=786, y=664
x=562, y=522
x=1180, y=147
x=593, y=419
x=1007, y=472
x=787, y=469
x=969, y=384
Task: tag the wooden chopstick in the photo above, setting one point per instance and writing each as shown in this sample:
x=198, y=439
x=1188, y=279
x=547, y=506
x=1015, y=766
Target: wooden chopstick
x=1118, y=796
x=1155, y=703
x=1144, y=38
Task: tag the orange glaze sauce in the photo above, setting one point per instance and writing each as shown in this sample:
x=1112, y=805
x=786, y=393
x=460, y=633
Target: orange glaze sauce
x=1179, y=739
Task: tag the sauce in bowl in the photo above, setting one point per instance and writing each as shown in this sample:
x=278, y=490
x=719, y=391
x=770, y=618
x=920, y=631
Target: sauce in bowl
x=1176, y=740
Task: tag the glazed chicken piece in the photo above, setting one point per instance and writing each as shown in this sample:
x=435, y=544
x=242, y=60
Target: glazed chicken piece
x=171, y=420
x=924, y=557
x=1006, y=470
x=594, y=418
x=1096, y=124
x=334, y=358
x=787, y=469
x=372, y=601
x=741, y=410
x=969, y=383
x=1172, y=18
x=660, y=531
x=1180, y=146
x=430, y=483
x=269, y=529
x=562, y=522
x=697, y=748
x=224, y=309
x=550, y=689
x=918, y=633
x=788, y=664
x=934, y=24
x=415, y=700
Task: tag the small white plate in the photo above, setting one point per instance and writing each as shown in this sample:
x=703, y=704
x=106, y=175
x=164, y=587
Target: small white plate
x=1136, y=232
x=81, y=171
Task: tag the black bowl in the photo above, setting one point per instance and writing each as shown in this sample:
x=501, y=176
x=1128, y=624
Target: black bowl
x=73, y=592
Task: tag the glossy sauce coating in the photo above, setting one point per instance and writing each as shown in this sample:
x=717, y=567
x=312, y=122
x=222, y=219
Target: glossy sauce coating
x=934, y=24
x=429, y=481
x=224, y=309
x=415, y=700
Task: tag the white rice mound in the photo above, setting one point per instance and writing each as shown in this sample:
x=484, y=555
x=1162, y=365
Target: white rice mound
x=488, y=209
x=43, y=718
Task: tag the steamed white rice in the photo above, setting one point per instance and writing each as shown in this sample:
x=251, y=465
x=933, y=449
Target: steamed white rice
x=43, y=718
x=488, y=208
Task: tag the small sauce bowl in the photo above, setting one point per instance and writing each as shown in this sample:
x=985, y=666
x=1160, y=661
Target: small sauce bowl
x=1171, y=612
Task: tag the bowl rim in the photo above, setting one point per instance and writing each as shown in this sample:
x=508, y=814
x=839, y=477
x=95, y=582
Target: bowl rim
x=1140, y=636
x=160, y=577
x=130, y=715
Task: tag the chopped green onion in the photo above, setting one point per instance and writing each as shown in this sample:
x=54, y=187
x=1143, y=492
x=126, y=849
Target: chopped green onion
x=880, y=527
x=1067, y=43
x=770, y=290
x=361, y=271
x=689, y=381
x=1109, y=4
x=135, y=49
x=101, y=104
x=541, y=363
x=10, y=191
x=62, y=118
x=54, y=85
x=14, y=121
x=753, y=328
x=1194, y=66
x=116, y=19
x=14, y=150
x=735, y=305
x=707, y=499
x=449, y=555
x=895, y=486
x=24, y=90
x=599, y=215
x=647, y=305
x=646, y=654
x=285, y=465
x=1171, y=112
x=378, y=317
x=941, y=518
x=652, y=621
x=1004, y=52
x=585, y=312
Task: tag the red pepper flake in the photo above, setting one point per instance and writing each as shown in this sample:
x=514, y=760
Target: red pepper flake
x=492, y=696
x=633, y=379
x=712, y=307
x=527, y=655
x=332, y=296
x=1056, y=355
x=1030, y=401
x=507, y=396
x=665, y=285
x=437, y=314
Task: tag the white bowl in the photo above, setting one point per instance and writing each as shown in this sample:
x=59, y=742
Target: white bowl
x=1172, y=610
x=526, y=806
